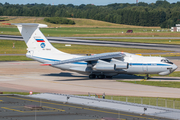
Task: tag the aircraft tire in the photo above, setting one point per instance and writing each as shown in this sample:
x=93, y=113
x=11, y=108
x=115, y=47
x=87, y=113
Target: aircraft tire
x=101, y=76
x=92, y=76
x=109, y=77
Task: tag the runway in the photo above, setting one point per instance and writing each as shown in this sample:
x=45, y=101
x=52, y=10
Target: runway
x=30, y=76
x=79, y=40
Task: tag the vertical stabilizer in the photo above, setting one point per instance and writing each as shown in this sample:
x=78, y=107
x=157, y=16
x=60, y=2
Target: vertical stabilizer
x=33, y=37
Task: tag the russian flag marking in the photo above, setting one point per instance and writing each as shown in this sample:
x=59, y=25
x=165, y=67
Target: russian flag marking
x=40, y=40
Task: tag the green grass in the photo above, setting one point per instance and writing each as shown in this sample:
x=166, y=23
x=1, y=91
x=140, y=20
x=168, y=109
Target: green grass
x=86, y=27
x=156, y=83
x=158, y=41
x=21, y=48
x=87, y=49
x=80, y=22
x=165, y=55
x=19, y=93
x=9, y=31
x=174, y=74
x=95, y=31
x=14, y=58
x=6, y=47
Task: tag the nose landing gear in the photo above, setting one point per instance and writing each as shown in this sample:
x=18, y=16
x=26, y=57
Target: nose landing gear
x=146, y=77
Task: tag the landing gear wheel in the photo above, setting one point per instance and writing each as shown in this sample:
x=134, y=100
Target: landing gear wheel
x=109, y=77
x=92, y=76
x=101, y=76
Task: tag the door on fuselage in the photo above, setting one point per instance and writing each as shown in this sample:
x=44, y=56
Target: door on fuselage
x=145, y=67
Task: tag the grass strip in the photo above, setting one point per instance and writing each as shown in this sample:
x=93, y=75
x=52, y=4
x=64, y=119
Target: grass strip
x=174, y=74
x=19, y=93
x=156, y=83
x=14, y=58
x=164, y=55
x=6, y=47
x=156, y=41
x=154, y=101
x=80, y=31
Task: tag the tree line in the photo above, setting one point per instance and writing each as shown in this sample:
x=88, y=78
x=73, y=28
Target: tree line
x=59, y=20
x=161, y=13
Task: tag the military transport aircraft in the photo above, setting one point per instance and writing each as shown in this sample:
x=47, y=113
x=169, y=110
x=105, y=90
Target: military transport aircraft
x=99, y=66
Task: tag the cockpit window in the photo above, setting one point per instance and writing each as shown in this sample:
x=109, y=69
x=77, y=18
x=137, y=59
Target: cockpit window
x=166, y=61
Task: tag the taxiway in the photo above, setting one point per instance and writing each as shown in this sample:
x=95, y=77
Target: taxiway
x=30, y=76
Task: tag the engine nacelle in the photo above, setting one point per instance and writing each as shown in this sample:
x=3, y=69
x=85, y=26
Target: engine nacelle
x=110, y=67
x=123, y=65
x=104, y=67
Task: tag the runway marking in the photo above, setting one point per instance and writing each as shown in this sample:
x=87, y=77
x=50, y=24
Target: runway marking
x=1, y=100
x=12, y=109
x=53, y=108
x=82, y=108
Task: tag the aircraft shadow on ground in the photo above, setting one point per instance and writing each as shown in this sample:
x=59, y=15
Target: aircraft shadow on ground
x=127, y=77
x=70, y=75
x=85, y=77
x=118, y=77
x=63, y=74
x=168, y=78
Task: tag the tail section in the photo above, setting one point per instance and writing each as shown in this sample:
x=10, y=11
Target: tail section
x=39, y=48
x=34, y=38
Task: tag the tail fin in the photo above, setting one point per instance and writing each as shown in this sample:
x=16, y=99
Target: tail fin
x=33, y=37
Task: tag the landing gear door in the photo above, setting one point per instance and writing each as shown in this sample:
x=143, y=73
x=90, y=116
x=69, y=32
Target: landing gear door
x=145, y=67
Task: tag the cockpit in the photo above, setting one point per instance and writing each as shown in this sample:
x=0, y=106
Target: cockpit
x=166, y=61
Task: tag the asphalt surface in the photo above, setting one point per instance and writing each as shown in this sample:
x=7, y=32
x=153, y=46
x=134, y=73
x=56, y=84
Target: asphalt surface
x=79, y=40
x=30, y=76
x=25, y=108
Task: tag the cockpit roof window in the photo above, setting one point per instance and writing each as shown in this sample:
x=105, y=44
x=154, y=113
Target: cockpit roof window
x=166, y=61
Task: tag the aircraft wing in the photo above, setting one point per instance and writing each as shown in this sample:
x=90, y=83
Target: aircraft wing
x=90, y=58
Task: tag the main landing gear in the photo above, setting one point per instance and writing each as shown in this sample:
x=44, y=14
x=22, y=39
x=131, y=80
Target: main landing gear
x=93, y=76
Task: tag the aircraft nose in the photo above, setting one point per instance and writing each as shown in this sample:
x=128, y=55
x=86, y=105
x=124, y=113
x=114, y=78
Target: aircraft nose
x=174, y=67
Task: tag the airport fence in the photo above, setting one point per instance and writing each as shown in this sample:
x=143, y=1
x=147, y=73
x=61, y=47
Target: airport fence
x=148, y=101
x=160, y=102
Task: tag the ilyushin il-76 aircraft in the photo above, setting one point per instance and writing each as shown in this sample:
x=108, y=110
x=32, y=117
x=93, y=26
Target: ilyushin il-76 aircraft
x=99, y=66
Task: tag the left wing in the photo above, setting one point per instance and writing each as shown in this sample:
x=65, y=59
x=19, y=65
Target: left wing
x=90, y=58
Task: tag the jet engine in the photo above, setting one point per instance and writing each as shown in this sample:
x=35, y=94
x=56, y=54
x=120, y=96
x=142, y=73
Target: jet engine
x=110, y=67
